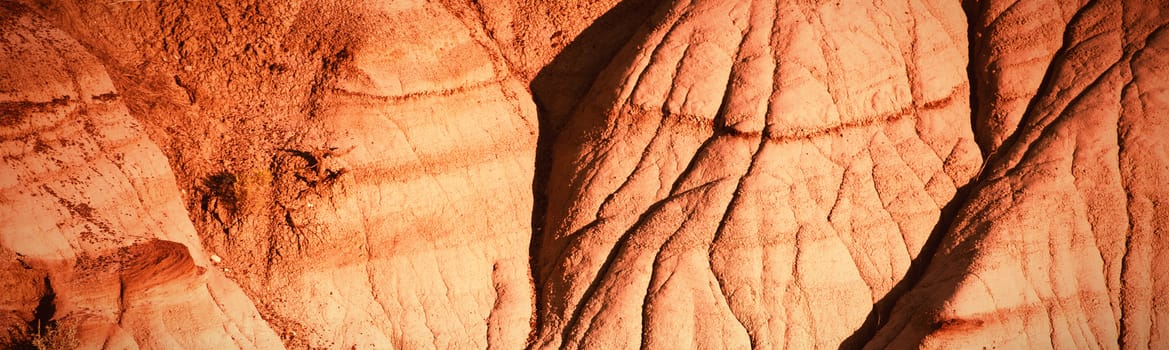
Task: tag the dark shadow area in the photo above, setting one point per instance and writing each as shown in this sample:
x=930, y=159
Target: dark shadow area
x=979, y=88
x=46, y=308
x=882, y=309
x=42, y=321
x=558, y=88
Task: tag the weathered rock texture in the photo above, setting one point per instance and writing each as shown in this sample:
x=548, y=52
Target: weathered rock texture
x=424, y=242
x=585, y=174
x=1058, y=245
x=754, y=174
x=363, y=169
x=93, y=223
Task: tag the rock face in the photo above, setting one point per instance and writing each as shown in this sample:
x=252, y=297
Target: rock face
x=584, y=174
x=754, y=174
x=93, y=225
x=1057, y=246
x=377, y=193
x=423, y=240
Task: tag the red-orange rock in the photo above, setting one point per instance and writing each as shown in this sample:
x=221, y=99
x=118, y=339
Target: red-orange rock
x=1058, y=245
x=754, y=174
x=92, y=211
x=584, y=174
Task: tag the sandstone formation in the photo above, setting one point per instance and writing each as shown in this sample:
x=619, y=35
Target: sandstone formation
x=1057, y=247
x=584, y=174
x=93, y=223
x=741, y=173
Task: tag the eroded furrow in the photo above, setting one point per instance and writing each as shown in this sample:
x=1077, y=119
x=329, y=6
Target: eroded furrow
x=830, y=150
x=1055, y=247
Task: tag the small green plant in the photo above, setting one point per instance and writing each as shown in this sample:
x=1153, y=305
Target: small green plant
x=55, y=336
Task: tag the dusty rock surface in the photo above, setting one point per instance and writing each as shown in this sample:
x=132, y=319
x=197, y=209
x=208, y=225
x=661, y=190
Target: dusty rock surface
x=95, y=235
x=584, y=174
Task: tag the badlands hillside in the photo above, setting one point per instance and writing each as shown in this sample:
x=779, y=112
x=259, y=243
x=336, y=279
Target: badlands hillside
x=600, y=174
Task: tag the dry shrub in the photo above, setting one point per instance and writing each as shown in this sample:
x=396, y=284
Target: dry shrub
x=56, y=336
